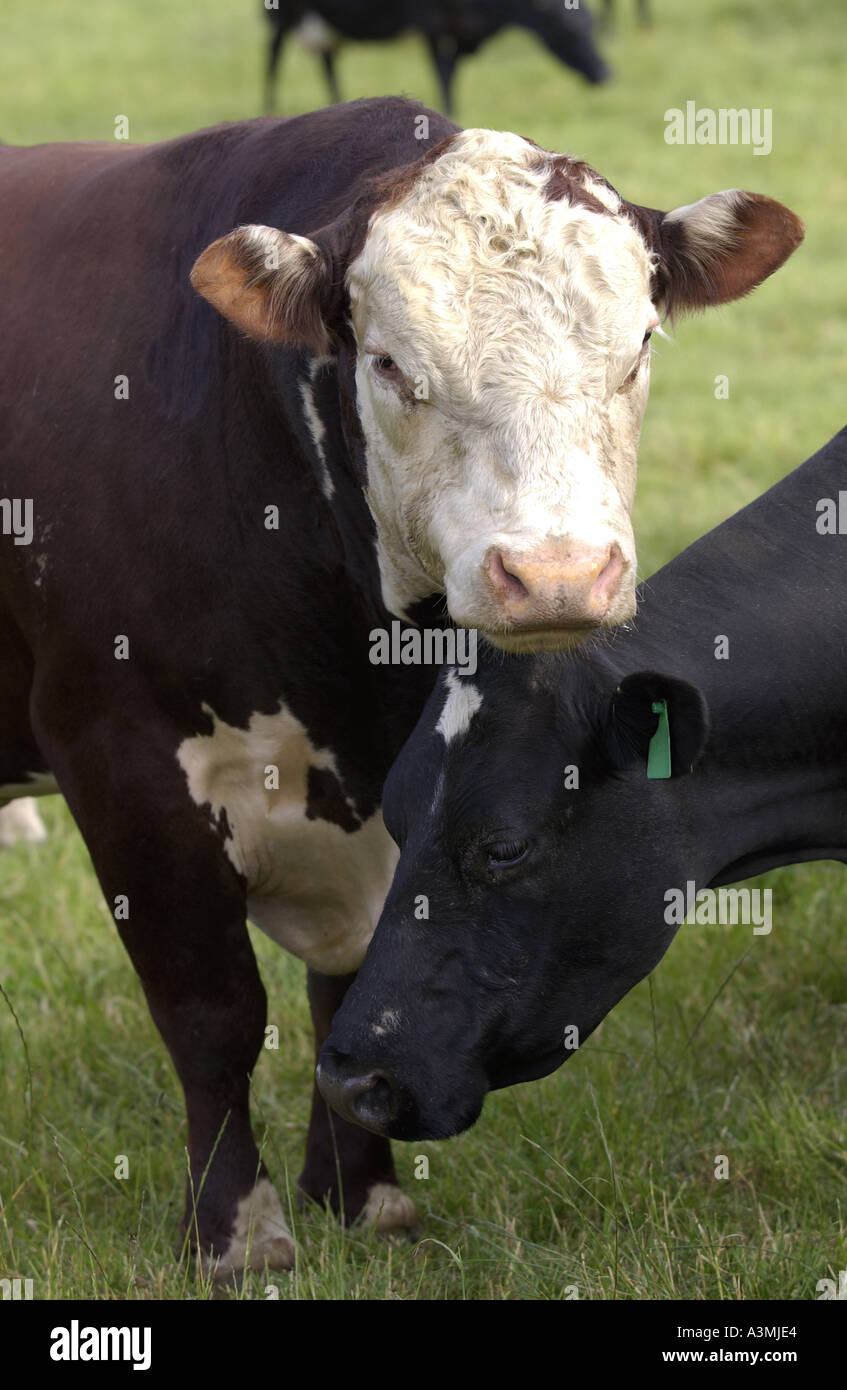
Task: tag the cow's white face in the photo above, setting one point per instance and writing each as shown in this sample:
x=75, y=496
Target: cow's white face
x=502, y=379
x=501, y=297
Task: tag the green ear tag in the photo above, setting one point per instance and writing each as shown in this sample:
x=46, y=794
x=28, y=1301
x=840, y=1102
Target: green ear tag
x=659, y=752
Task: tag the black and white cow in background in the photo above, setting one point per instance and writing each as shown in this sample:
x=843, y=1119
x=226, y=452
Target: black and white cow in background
x=550, y=896
x=426, y=378
x=453, y=29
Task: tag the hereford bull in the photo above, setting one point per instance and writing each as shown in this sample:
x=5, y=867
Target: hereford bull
x=426, y=378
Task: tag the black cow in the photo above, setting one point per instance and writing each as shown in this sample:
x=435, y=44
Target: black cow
x=559, y=815
x=201, y=529
x=453, y=29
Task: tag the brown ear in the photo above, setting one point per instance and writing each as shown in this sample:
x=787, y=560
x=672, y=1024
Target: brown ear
x=718, y=249
x=270, y=284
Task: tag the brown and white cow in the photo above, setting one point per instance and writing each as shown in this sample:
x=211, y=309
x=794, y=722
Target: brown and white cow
x=435, y=387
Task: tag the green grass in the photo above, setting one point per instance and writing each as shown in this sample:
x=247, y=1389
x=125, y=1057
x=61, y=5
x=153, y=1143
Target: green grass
x=602, y=1176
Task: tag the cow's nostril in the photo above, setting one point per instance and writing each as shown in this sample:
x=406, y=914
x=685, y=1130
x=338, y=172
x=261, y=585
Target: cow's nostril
x=505, y=580
x=608, y=581
x=369, y=1100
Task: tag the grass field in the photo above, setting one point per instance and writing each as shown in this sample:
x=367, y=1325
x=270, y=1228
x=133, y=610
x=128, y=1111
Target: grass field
x=602, y=1177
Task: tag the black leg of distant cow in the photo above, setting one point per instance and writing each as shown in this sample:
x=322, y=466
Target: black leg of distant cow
x=274, y=53
x=443, y=52
x=644, y=11
x=336, y=1148
x=180, y=909
x=328, y=60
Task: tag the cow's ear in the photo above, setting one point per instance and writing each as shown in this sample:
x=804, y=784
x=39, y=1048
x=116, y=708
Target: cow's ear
x=718, y=249
x=272, y=285
x=658, y=720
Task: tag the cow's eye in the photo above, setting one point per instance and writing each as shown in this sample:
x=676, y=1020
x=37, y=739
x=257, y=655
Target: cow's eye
x=387, y=368
x=647, y=336
x=503, y=854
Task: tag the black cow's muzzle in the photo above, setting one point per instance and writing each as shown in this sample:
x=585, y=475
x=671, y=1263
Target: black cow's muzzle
x=370, y=1093
x=366, y=1098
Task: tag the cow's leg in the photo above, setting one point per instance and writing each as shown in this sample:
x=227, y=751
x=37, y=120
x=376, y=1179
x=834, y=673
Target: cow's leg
x=181, y=911
x=20, y=822
x=274, y=54
x=328, y=60
x=444, y=55
x=347, y=1166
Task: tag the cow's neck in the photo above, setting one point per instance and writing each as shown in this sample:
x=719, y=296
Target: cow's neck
x=310, y=591
x=771, y=788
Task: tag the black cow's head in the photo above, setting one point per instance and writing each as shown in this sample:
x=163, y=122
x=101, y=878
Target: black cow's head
x=568, y=33
x=516, y=921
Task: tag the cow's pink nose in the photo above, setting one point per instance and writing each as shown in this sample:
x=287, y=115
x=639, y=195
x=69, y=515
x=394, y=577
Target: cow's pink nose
x=556, y=585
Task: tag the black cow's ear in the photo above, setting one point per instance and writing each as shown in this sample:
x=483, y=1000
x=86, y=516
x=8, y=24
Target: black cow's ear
x=658, y=720
x=273, y=285
x=716, y=250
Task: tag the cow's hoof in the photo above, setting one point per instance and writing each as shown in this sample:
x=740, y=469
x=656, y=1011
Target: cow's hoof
x=389, y=1211
x=260, y=1237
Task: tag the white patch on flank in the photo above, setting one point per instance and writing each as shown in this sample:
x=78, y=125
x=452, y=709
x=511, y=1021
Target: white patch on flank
x=463, y=701
x=313, y=887
x=316, y=35
x=389, y=1209
x=259, y=1234
x=21, y=823
x=389, y=1023
x=317, y=430
x=524, y=319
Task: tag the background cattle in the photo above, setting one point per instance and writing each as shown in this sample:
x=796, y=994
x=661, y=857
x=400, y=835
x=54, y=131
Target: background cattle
x=452, y=29
x=562, y=817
